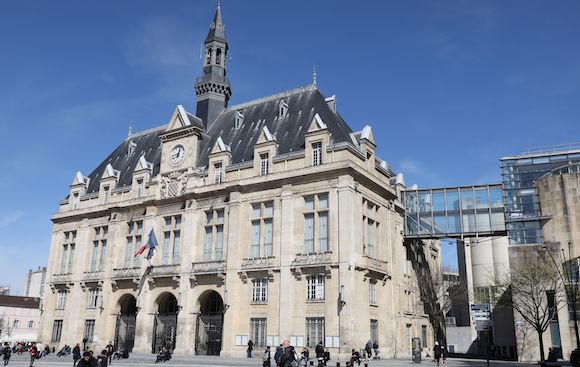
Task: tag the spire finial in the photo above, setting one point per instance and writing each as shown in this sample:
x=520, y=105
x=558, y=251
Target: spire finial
x=314, y=75
x=130, y=128
x=218, y=3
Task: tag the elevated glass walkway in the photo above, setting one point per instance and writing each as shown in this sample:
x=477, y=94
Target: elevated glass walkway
x=454, y=212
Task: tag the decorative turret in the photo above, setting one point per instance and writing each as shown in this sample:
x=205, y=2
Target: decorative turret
x=212, y=88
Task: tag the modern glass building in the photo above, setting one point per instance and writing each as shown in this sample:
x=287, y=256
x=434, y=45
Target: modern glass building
x=519, y=175
x=454, y=212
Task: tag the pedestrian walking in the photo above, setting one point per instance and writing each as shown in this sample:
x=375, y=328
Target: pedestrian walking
x=110, y=350
x=319, y=350
x=376, y=350
x=266, y=358
x=6, y=352
x=437, y=353
x=33, y=351
x=369, y=349
x=85, y=361
x=76, y=354
x=250, y=348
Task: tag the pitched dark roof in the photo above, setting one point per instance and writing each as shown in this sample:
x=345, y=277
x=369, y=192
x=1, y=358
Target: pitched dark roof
x=303, y=105
x=16, y=301
x=146, y=143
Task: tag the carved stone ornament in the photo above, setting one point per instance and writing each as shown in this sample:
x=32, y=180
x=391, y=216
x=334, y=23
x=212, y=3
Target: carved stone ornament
x=173, y=185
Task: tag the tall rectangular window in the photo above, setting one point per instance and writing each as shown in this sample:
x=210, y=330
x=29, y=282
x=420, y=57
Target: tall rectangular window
x=94, y=295
x=61, y=299
x=89, y=332
x=372, y=292
x=374, y=331
x=260, y=290
x=424, y=336
x=106, y=194
x=133, y=244
x=217, y=173
x=258, y=328
x=56, y=331
x=214, y=235
x=262, y=229
x=314, y=331
x=140, y=188
x=171, y=239
x=67, y=259
x=315, y=288
x=316, y=223
x=317, y=153
x=264, y=164
x=371, y=228
x=99, y=248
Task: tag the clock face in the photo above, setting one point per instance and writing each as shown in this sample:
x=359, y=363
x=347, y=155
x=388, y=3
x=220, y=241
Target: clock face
x=177, y=155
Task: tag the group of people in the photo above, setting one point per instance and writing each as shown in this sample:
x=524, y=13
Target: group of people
x=31, y=348
x=287, y=356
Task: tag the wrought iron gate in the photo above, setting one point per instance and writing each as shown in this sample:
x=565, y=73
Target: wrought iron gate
x=208, y=340
x=164, y=332
x=125, y=332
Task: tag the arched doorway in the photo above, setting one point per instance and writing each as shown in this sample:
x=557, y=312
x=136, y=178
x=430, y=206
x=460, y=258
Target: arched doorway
x=209, y=326
x=165, y=323
x=125, y=326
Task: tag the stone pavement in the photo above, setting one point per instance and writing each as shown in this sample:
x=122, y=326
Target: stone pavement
x=149, y=359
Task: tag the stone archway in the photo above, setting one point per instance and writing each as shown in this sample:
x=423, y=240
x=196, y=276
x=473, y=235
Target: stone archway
x=165, y=323
x=209, y=325
x=125, y=325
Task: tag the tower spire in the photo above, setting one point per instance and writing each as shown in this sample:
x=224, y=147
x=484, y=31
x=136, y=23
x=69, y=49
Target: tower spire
x=212, y=88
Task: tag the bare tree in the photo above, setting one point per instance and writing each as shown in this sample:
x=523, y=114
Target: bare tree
x=536, y=291
x=437, y=291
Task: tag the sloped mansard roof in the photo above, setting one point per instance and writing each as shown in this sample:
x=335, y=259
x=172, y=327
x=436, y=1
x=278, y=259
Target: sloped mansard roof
x=303, y=104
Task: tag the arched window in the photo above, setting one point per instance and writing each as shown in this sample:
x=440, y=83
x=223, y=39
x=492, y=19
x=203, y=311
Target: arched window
x=208, y=60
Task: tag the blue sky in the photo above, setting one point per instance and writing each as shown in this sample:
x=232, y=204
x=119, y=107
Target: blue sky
x=449, y=86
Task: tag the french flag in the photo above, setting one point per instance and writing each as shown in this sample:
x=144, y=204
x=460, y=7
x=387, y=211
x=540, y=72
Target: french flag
x=151, y=244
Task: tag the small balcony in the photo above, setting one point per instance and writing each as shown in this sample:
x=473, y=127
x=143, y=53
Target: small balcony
x=61, y=278
x=126, y=273
x=313, y=259
x=208, y=267
x=165, y=271
x=258, y=263
x=93, y=276
x=215, y=268
x=374, y=267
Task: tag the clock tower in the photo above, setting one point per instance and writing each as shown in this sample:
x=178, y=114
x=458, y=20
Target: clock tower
x=180, y=142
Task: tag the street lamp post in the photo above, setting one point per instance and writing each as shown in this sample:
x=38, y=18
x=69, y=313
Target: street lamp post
x=571, y=298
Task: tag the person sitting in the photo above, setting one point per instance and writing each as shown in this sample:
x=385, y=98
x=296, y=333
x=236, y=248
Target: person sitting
x=355, y=357
x=163, y=356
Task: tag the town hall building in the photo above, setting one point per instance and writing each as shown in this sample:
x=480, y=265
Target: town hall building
x=273, y=220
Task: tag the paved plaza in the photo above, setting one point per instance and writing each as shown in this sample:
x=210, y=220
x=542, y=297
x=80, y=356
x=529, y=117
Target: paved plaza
x=149, y=359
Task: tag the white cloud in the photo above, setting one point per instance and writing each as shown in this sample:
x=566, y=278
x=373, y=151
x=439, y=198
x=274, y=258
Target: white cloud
x=10, y=218
x=410, y=166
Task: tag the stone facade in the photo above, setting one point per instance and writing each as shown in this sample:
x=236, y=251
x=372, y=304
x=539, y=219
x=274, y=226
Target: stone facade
x=301, y=241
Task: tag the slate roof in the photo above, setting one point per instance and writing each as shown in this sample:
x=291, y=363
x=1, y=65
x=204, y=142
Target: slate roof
x=217, y=30
x=17, y=301
x=303, y=104
x=147, y=143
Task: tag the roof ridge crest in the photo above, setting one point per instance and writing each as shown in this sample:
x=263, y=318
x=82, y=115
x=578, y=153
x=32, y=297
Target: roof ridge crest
x=286, y=93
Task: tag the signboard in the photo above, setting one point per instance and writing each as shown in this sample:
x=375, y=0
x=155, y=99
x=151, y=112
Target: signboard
x=481, y=316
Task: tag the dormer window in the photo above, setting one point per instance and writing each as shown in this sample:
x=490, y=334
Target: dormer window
x=239, y=119
x=217, y=173
x=264, y=164
x=317, y=153
x=282, y=109
x=131, y=148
